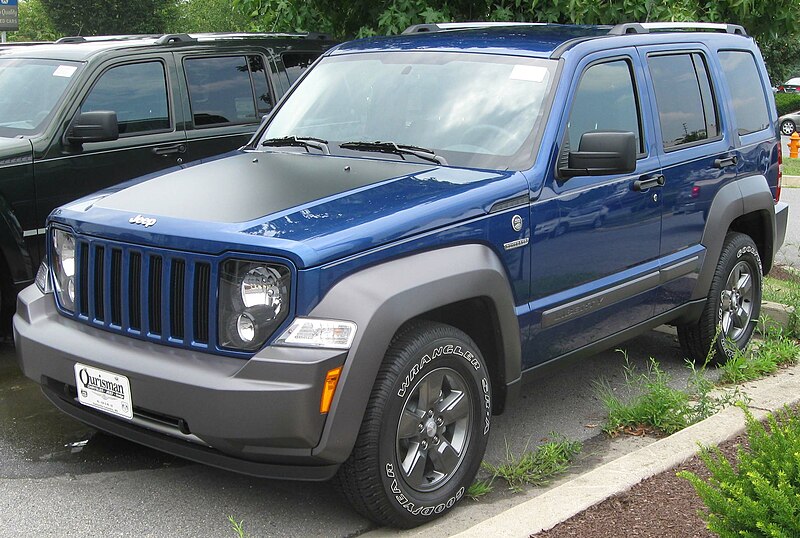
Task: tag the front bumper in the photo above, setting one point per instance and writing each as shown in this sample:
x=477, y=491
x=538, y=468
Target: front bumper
x=259, y=417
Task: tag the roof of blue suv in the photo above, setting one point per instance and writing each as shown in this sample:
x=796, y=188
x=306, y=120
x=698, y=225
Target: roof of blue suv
x=539, y=40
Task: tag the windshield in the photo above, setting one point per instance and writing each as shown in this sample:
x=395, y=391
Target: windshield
x=476, y=110
x=29, y=91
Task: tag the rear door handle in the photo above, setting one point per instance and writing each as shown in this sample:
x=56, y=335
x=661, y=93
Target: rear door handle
x=724, y=162
x=170, y=150
x=648, y=182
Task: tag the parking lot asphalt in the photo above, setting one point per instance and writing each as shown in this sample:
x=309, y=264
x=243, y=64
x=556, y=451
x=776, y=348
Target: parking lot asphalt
x=60, y=477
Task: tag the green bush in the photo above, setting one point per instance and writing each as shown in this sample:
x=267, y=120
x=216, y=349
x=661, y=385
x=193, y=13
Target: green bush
x=787, y=102
x=758, y=497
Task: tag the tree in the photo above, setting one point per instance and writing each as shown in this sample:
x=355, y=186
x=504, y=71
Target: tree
x=771, y=22
x=209, y=16
x=102, y=17
x=34, y=24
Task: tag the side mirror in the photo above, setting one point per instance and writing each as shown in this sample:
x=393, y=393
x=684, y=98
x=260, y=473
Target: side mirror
x=602, y=153
x=96, y=126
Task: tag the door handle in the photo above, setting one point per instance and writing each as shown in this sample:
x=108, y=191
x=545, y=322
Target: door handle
x=724, y=162
x=648, y=182
x=170, y=150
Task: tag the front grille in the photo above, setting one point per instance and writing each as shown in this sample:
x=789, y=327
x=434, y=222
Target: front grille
x=144, y=292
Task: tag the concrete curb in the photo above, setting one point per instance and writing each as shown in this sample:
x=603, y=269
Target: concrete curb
x=561, y=503
x=790, y=181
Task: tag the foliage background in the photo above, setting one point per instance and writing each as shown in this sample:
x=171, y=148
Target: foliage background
x=772, y=23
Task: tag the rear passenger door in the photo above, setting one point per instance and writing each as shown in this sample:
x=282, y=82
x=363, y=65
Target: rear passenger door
x=697, y=156
x=228, y=94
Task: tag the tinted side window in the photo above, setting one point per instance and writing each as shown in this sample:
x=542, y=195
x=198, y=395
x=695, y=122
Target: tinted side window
x=296, y=63
x=686, y=107
x=605, y=101
x=749, y=103
x=259, y=75
x=220, y=90
x=137, y=93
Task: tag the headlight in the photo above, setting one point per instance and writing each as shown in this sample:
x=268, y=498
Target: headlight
x=254, y=301
x=324, y=333
x=63, y=261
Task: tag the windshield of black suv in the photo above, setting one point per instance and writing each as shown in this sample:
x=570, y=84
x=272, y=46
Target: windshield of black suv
x=29, y=91
x=472, y=110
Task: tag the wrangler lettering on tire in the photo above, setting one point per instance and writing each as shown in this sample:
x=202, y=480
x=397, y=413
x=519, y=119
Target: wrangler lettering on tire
x=425, y=429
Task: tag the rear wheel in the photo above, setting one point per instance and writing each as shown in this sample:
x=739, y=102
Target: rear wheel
x=732, y=307
x=425, y=430
x=787, y=127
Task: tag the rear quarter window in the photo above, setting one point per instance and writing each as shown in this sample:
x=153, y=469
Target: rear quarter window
x=747, y=91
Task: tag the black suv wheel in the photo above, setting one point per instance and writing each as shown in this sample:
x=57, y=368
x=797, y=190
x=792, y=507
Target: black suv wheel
x=425, y=429
x=732, y=307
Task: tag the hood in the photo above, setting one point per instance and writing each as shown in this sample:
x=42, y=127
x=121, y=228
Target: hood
x=308, y=208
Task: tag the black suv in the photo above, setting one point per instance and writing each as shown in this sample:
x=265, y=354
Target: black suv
x=86, y=113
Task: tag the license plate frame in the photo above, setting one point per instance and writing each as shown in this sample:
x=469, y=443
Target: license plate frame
x=105, y=391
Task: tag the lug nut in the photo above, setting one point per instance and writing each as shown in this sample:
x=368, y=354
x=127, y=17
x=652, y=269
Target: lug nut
x=421, y=427
x=439, y=421
x=435, y=439
x=430, y=412
x=424, y=444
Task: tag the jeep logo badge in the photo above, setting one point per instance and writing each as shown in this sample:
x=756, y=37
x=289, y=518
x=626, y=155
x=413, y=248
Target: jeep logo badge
x=516, y=223
x=144, y=221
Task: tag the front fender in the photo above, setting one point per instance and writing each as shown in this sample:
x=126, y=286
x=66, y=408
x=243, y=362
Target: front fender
x=12, y=246
x=382, y=298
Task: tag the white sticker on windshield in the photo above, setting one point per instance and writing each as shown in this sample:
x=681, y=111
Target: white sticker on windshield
x=531, y=73
x=64, y=71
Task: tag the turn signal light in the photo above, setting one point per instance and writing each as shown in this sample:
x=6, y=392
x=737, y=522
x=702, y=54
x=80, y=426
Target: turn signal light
x=329, y=389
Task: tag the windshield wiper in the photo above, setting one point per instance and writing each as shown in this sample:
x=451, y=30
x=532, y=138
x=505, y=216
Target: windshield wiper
x=298, y=141
x=397, y=149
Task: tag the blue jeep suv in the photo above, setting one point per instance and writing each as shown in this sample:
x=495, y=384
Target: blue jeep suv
x=420, y=222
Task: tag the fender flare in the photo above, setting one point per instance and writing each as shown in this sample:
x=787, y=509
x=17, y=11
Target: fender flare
x=741, y=197
x=13, y=252
x=380, y=299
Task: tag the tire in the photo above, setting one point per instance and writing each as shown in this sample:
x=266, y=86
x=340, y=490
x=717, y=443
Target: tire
x=787, y=127
x=410, y=466
x=732, y=307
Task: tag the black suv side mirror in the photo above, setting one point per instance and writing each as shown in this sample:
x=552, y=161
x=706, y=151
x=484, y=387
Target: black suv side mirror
x=602, y=153
x=96, y=126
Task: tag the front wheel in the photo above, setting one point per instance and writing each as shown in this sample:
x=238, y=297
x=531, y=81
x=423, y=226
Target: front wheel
x=732, y=307
x=425, y=429
x=787, y=127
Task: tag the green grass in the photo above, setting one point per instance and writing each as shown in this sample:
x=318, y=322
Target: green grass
x=791, y=167
x=479, y=488
x=776, y=349
x=786, y=291
x=536, y=467
x=656, y=406
x=237, y=526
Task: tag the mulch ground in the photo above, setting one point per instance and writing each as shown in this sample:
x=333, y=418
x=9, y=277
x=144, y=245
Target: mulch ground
x=663, y=506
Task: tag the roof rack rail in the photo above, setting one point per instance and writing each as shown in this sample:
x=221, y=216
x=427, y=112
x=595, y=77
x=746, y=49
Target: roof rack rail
x=168, y=39
x=99, y=38
x=443, y=26
x=646, y=27
x=71, y=39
